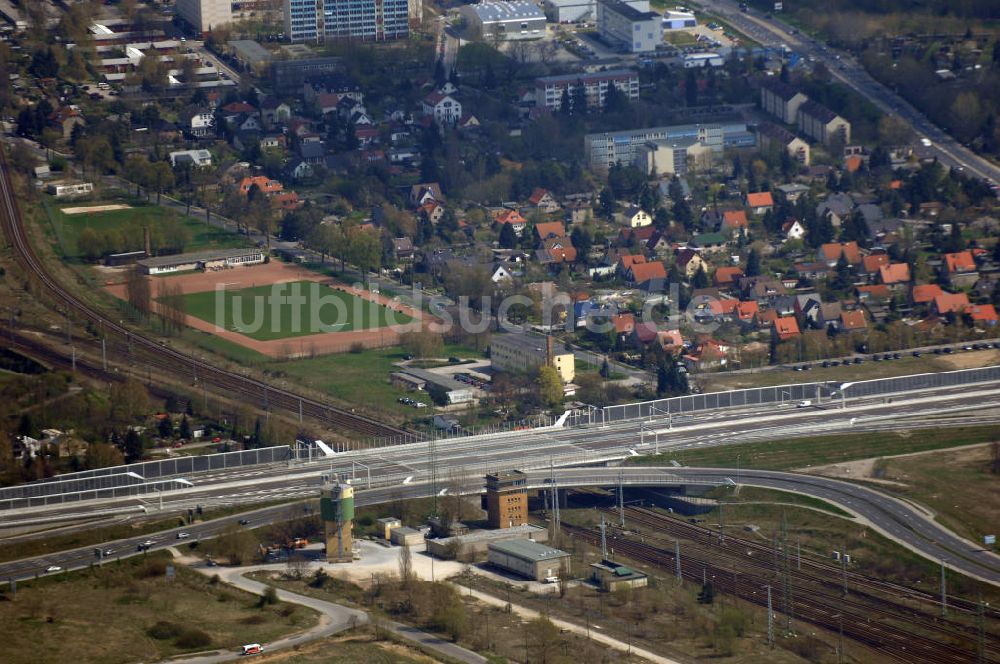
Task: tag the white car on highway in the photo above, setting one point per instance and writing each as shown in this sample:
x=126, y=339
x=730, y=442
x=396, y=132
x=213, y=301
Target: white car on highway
x=53, y=568
x=926, y=142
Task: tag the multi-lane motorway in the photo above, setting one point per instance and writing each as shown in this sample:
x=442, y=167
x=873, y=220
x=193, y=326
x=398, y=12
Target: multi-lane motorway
x=772, y=32
x=459, y=464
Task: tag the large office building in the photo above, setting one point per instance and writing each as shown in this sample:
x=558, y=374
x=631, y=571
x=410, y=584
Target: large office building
x=629, y=25
x=606, y=149
x=367, y=20
x=497, y=20
x=517, y=352
x=549, y=89
x=203, y=15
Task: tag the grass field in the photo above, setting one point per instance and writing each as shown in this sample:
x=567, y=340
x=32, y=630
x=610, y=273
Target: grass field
x=347, y=375
x=956, y=484
x=106, y=615
x=821, y=450
x=130, y=224
x=253, y=312
x=927, y=363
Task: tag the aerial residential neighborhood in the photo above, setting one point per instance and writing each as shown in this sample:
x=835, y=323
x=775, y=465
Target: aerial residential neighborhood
x=500, y=331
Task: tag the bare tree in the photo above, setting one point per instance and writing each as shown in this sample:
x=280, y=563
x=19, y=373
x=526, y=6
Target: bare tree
x=138, y=291
x=405, y=566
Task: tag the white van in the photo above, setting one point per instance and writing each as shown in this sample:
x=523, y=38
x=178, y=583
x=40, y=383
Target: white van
x=253, y=649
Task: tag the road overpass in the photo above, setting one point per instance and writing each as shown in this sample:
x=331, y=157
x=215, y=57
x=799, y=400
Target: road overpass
x=906, y=524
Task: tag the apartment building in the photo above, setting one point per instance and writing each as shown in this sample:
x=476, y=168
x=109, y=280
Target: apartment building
x=203, y=15
x=367, y=20
x=549, y=89
x=607, y=148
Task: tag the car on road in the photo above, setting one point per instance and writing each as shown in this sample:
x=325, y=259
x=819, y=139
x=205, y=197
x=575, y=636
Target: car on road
x=252, y=649
x=108, y=552
x=805, y=403
x=53, y=568
x=183, y=535
x=926, y=142
x=916, y=353
x=244, y=522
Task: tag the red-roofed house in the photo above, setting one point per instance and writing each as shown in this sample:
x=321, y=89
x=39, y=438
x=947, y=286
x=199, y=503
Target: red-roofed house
x=830, y=253
x=543, y=200
x=950, y=303
x=961, y=268
x=265, y=184
x=707, y=355
x=556, y=250
x=647, y=276
x=727, y=276
x=760, y=202
x=432, y=210
x=746, y=312
x=512, y=217
x=624, y=324
x=925, y=293
x=853, y=320
x=287, y=200
x=871, y=264
x=626, y=262
x=895, y=275
x=786, y=327
x=547, y=229
x=853, y=163
x=982, y=314
x=734, y=220
x=443, y=108
x=874, y=293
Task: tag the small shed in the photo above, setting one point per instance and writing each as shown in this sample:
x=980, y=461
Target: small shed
x=387, y=525
x=404, y=536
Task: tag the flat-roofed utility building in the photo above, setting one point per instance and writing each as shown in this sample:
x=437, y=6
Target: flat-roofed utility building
x=629, y=25
x=611, y=576
x=517, y=352
x=505, y=21
x=528, y=559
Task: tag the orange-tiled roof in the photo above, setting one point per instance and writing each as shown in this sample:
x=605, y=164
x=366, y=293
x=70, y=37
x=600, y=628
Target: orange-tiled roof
x=961, y=261
x=631, y=259
x=853, y=163
x=874, y=262
x=895, y=273
x=831, y=251
x=265, y=184
x=550, y=229
x=984, y=313
x=948, y=302
x=853, y=320
x=747, y=309
x=642, y=272
x=510, y=217
x=877, y=291
x=786, y=327
x=624, y=323
x=735, y=218
x=760, y=199
x=725, y=276
x=925, y=293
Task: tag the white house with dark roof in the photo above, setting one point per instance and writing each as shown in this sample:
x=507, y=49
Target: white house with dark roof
x=445, y=109
x=823, y=125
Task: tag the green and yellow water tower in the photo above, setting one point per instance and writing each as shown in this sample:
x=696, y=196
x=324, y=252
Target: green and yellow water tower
x=336, y=506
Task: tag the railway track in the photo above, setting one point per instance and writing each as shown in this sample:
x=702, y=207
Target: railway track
x=829, y=574
x=896, y=632
x=169, y=360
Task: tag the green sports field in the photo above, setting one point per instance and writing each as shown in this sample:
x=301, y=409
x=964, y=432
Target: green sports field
x=266, y=313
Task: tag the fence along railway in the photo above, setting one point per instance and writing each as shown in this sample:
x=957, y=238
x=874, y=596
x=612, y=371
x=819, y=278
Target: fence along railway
x=166, y=360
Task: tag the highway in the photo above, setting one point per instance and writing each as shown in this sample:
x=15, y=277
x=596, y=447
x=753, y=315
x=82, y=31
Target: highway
x=843, y=67
x=403, y=472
